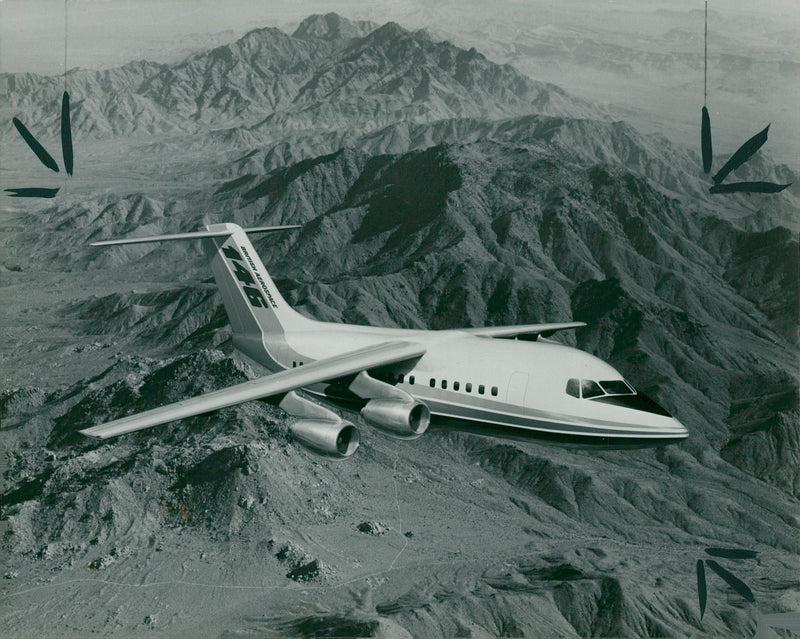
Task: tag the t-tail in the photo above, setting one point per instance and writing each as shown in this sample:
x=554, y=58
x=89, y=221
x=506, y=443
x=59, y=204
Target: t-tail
x=258, y=314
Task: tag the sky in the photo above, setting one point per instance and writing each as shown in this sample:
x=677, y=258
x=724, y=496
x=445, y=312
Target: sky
x=103, y=34
x=107, y=33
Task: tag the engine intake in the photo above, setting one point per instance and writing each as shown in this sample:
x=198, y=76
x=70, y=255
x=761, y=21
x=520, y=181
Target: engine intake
x=407, y=418
x=340, y=439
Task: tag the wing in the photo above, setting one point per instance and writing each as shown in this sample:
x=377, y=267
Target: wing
x=531, y=330
x=283, y=382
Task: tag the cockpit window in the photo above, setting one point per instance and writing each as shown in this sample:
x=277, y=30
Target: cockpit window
x=590, y=389
x=616, y=392
x=616, y=387
x=574, y=387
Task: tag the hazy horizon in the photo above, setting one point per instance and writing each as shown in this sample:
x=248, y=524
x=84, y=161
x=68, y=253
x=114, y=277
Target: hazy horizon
x=652, y=74
x=106, y=33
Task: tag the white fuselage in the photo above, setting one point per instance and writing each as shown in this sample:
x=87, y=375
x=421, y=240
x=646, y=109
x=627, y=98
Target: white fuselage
x=512, y=385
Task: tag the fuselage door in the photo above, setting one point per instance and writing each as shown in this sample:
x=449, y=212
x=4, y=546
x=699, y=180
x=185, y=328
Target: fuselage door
x=517, y=386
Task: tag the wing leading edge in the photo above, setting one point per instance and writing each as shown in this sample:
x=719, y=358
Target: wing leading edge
x=275, y=384
x=545, y=330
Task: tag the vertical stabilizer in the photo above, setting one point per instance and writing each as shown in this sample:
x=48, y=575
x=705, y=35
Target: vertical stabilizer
x=258, y=314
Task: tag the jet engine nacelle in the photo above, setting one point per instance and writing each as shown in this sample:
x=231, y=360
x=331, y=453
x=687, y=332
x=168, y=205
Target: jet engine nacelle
x=319, y=428
x=406, y=418
x=340, y=439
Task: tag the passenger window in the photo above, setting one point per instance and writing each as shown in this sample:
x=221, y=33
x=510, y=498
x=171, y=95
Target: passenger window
x=294, y=364
x=494, y=391
x=481, y=389
x=444, y=383
x=573, y=387
x=456, y=385
x=590, y=389
x=411, y=380
x=433, y=382
x=469, y=387
x=400, y=378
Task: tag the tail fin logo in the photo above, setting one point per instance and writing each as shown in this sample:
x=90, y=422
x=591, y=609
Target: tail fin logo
x=254, y=296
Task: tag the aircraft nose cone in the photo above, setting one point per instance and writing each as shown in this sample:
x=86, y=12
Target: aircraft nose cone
x=678, y=430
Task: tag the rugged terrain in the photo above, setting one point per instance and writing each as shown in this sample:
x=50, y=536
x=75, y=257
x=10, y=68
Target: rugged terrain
x=436, y=189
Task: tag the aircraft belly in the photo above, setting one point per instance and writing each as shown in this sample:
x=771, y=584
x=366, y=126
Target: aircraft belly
x=532, y=419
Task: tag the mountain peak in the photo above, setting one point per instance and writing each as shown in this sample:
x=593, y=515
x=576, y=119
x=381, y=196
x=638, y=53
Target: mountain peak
x=332, y=26
x=388, y=31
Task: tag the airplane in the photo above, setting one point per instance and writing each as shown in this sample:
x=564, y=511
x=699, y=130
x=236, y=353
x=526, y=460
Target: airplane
x=502, y=380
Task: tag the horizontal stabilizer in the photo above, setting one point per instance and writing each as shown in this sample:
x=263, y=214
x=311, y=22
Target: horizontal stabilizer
x=194, y=235
x=320, y=371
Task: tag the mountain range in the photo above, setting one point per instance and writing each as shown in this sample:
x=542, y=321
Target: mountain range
x=330, y=74
x=435, y=189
